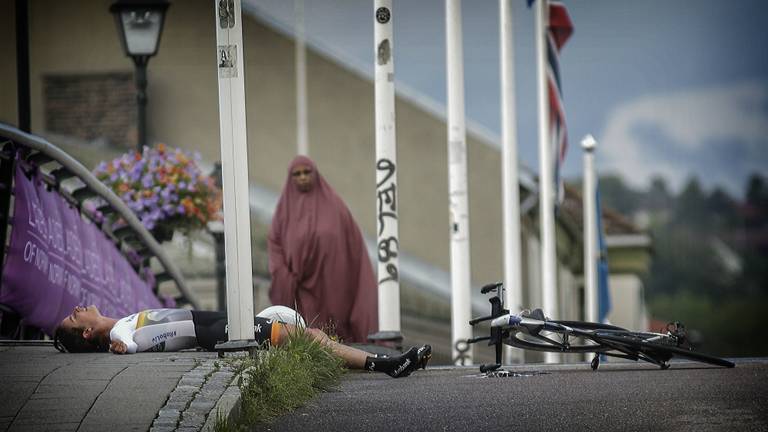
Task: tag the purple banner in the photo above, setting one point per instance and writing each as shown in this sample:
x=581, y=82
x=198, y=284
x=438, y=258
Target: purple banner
x=57, y=260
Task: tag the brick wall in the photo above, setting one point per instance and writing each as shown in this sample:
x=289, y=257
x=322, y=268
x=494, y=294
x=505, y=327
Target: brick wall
x=92, y=107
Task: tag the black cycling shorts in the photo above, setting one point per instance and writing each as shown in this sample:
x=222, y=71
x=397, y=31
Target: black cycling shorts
x=211, y=328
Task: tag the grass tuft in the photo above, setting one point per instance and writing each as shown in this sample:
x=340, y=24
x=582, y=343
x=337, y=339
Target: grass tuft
x=281, y=379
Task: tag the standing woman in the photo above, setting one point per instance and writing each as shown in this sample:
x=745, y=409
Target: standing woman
x=317, y=257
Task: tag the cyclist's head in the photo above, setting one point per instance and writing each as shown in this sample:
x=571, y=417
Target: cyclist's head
x=77, y=332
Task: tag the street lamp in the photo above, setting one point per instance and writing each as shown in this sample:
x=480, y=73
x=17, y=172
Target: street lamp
x=139, y=24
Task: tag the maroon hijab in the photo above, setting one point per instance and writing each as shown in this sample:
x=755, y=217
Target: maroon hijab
x=318, y=260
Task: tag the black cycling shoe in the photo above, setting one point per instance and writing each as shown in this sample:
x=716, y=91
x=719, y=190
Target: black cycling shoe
x=411, y=360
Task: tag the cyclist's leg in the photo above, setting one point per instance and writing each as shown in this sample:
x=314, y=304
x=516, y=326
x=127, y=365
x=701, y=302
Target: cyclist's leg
x=210, y=328
x=395, y=366
x=353, y=357
x=402, y=365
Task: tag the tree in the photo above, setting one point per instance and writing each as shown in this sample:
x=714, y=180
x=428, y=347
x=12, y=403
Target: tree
x=658, y=197
x=690, y=206
x=721, y=209
x=757, y=193
x=756, y=211
x=617, y=195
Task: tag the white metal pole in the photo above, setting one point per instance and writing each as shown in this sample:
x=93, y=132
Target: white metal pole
x=457, y=188
x=511, y=188
x=234, y=167
x=546, y=181
x=302, y=139
x=386, y=170
x=589, y=144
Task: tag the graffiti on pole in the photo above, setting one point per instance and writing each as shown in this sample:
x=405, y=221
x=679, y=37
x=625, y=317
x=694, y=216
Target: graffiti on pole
x=389, y=245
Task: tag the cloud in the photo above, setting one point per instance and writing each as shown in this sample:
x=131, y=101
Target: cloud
x=719, y=134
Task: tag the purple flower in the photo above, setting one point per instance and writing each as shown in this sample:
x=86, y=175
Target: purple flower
x=168, y=209
x=166, y=193
x=136, y=171
x=154, y=201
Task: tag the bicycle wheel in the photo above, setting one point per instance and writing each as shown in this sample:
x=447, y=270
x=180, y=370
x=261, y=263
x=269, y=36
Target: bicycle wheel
x=586, y=325
x=659, y=351
x=574, y=337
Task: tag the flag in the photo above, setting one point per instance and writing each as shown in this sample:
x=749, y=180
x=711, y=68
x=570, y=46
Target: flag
x=559, y=30
x=603, y=293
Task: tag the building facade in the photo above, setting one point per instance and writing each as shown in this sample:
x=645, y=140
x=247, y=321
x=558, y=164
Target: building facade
x=81, y=88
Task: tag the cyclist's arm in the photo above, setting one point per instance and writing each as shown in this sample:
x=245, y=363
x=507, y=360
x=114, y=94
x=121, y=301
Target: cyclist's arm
x=122, y=332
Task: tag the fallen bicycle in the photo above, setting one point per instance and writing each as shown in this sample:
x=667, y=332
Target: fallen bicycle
x=531, y=330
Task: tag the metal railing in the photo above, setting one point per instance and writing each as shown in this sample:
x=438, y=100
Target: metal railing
x=39, y=151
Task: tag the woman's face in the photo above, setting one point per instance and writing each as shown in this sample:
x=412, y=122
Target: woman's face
x=82, y=317
x=302, y=177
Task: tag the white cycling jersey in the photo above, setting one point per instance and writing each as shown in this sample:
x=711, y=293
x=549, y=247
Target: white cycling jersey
x=156, y=330
x=178, y=329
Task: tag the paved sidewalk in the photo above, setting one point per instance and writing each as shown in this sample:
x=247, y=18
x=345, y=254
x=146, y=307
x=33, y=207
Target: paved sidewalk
x=44, y=390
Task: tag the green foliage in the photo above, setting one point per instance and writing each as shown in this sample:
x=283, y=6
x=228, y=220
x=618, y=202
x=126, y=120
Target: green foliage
x=730, y=327
x=283, y=378
x=615, y=193
x=684, y=261
x=691, y=278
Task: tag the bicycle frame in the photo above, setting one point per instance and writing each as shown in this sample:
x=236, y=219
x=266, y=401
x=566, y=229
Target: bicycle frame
x=582, y=337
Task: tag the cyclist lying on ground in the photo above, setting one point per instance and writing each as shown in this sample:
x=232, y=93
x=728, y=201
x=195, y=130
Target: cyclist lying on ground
x=86, y=330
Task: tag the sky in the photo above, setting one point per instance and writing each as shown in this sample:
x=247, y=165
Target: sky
x=672, y=88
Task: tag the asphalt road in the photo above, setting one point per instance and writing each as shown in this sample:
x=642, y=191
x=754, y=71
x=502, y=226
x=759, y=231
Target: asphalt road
x=626, y=397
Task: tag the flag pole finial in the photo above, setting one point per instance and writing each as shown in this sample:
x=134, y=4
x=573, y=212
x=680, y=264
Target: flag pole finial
x=588, y=143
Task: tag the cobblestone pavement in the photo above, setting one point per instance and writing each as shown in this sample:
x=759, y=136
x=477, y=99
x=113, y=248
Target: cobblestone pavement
x=193, y=399
x=44, y=390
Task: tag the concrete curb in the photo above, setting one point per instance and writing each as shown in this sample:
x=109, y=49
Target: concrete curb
x=228, y=407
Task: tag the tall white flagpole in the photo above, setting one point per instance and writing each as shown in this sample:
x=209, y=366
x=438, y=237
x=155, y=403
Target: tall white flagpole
x=386, y=171
x=546, y=178
x=511, y=188
x=589, y=144
x=234, y=167
x=302, y=139
x=457, y=188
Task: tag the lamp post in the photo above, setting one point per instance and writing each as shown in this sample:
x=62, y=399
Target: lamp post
x=140, y=24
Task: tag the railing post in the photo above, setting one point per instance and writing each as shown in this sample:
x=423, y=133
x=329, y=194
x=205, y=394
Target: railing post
x=217, y=231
